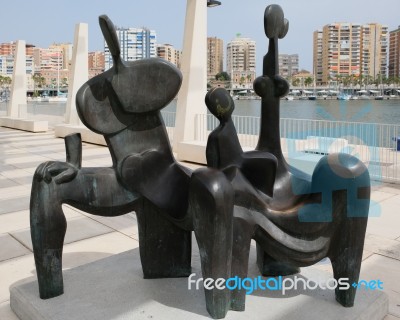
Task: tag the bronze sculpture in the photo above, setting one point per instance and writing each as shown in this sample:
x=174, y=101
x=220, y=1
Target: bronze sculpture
x=300, y=219
x=295, y=219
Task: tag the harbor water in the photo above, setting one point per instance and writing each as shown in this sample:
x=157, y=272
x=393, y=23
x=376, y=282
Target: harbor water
x=367, y=111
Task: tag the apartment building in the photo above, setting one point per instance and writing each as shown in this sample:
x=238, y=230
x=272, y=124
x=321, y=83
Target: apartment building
x=169, y=53
x=350, y=49
x=135, y=44
x=288, y=65
x=317, y=56
x=7, y=51
x=215, y=57
x=95, y=63
x=53, y=63
x=241, y=62
x=394, y=53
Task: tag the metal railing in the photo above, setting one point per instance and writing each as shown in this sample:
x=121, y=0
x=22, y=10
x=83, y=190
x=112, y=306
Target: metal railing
x=377, y=145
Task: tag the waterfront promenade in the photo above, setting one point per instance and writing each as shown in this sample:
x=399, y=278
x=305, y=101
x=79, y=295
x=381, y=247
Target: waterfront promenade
x=90, y=238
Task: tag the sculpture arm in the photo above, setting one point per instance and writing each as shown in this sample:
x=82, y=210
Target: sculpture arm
x=63, y=172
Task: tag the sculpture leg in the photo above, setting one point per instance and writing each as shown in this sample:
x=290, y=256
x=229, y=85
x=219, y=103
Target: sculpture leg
x=269, y=267
x=165, y=249
x=211, y=202
x=95, y=191
x=48, y=226
x=346, y=254
x=242, y=232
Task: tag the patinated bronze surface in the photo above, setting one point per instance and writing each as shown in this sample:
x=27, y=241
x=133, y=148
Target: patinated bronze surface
x=295, y=219
x=123, y=105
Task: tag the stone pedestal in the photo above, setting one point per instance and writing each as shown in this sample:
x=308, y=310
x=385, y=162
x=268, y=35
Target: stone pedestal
x=114, y=288
x=194, y=70
x=79, y=75
x=15, y=117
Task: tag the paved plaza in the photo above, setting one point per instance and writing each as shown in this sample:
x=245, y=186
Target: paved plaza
x=90, y=238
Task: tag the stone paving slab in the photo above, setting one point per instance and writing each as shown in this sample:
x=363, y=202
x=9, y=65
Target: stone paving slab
x=387, y=224
x=77, y=229
x=114, y=288
x=126, y=224
x=388, y=271
x=13, y=221
x=382, y=246
x=74, y=254
x=6, y=313
x=16, y=204
x=11, y=248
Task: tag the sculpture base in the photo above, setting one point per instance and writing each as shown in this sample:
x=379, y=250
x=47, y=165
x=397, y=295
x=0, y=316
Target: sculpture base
x=114, y=288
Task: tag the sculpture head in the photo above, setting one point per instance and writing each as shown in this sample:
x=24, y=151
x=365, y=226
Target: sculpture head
x=275, y=25
x=220, y=104
x=133, y=81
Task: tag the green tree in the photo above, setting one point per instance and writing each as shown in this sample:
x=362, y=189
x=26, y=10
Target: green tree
x=222, y=76
x=296, y=82
x=38, y=82
x=308, y=81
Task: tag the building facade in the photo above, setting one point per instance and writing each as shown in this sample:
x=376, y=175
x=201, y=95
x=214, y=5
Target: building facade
x=169, y=53
x=95, y=63
x=288, y=65
x=215, y=57
x=135, y=44
x=241, y=62
x=394, y=54
x=7, y=51
x=317, y=56
x=54, y=64
x=350, y=50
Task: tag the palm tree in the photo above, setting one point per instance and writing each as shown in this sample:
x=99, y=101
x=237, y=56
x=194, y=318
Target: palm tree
x=296, y=82
x=308, y=81
x=5, y=82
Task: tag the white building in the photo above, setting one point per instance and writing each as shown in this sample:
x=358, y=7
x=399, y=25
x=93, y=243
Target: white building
x=135, y=43
x=241, y=62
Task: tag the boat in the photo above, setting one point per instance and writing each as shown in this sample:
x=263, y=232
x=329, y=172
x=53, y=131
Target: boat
x=61, y=97
x=343, y=96
x=379, y=97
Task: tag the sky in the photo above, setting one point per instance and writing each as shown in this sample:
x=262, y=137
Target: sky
x=44, y=22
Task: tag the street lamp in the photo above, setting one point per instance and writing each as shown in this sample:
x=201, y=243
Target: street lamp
x=213, y=3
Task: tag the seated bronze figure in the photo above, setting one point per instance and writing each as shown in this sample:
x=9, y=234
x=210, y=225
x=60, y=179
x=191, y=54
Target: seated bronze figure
x=295, y=219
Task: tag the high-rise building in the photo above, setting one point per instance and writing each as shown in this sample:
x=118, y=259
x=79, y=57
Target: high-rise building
x=375, y=43
x=95, y=63
x=241, y=62
x=169, y=53
x=317, y=56
x=50, y=63
x=135, y=44
x=215, y=57
x=350, y=49
x=8, y=48
x=7, y=51
x=394, y=54
x=288, y=65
